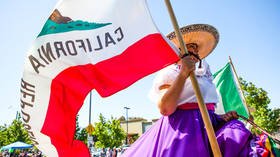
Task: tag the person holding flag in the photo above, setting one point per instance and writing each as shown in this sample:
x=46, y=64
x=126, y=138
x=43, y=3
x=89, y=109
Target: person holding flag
x=89, y=45
x=180, y=131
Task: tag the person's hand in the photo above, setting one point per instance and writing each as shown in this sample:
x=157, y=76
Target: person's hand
x=229, y=116
x=187, y=65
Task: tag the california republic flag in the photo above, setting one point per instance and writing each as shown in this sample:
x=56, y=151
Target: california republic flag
x=87, y=44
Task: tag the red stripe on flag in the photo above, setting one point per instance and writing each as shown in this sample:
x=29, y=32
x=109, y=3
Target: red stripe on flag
x=70, y=87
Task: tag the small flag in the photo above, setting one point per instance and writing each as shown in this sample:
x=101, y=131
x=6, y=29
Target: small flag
x=227, y=88
x=270, y=147
x=274, y=147
x=87, y=44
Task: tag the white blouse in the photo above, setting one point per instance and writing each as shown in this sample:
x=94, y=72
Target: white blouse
x=204, y=79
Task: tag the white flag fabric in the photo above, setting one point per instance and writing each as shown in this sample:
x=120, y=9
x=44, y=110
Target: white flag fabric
x=87, y=44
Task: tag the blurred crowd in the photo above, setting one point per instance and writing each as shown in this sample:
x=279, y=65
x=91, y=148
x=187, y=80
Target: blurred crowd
x=108, y=152
x=20, y=153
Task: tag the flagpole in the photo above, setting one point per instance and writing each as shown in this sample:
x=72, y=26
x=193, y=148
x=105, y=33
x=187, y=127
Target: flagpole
x=90, y=128
x=205, y=116
x=239, y=86
x=261, y=129
x=244, y=118
x=89, y=114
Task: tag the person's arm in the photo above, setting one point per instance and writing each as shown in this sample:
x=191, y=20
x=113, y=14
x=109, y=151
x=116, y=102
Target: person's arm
x=230, y=115
x=171, y=93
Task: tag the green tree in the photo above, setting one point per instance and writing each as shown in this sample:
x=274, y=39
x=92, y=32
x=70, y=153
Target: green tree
x=14, y=132
x=133, y=138
x=83, y=135
x=108, y=133
x=258, y=100
x=80, y=133
x=274, y=116
x=17, y=132
x=3, y=135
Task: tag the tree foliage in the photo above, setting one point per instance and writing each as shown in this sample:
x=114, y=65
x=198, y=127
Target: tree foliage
x=13, y=133
x=108, y=133
x=258, y=100
x=80, y=133
x=3, y=135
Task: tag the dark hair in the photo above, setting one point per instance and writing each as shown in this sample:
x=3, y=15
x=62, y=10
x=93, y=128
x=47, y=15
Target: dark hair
x=192, y=45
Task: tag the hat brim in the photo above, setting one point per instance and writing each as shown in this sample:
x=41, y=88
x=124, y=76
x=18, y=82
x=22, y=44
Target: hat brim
x=204, y=35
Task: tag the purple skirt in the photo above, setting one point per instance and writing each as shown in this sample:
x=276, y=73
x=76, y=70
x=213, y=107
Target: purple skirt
x=183, y=134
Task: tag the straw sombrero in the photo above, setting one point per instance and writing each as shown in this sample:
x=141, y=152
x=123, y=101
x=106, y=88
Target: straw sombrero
x=204, y=35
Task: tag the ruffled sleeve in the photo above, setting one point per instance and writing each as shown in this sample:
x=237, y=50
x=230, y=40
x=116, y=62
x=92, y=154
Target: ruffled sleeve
x=164, y=77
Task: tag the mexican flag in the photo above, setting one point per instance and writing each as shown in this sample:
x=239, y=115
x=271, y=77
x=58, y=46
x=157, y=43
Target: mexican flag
x=229, y=92
x=84, y=45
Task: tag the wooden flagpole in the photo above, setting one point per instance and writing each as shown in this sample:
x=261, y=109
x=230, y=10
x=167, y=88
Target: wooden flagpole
x=239, y=86
x=205, y=116
x=259, y=128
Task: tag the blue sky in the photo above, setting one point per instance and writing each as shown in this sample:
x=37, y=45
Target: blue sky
x=249, y=33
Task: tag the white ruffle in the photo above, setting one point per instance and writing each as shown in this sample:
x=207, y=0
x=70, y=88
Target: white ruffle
x=204, y=78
